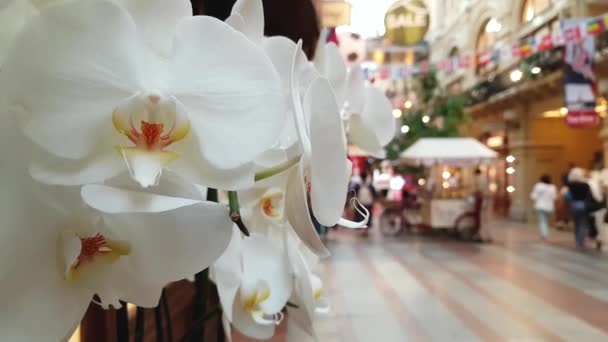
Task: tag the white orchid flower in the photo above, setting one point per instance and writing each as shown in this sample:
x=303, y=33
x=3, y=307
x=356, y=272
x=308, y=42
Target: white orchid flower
x=323, y=171
x=263, y=206
x=57, y=254
x=107, y=87
x=368, y=113
x=254, y=283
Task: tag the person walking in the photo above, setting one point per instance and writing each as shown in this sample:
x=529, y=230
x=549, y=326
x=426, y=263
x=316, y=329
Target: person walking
x=578, y=195
x=544, y=195
x=483, y=207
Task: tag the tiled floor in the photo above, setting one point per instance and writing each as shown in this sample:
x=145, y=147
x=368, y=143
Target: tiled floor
x=432, y=288
x=416, y=288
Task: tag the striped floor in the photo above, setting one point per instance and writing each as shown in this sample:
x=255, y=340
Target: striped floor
x=434, y=289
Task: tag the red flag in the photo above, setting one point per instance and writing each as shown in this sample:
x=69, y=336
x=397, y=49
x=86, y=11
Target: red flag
x=484, y=58
x=332, y=37
x=546, y=43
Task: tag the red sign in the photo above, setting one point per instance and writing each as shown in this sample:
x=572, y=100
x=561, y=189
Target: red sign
x=582, y=119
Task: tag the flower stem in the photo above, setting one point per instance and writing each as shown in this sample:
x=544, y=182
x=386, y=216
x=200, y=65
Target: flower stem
x=276, y=169
x=235, y=214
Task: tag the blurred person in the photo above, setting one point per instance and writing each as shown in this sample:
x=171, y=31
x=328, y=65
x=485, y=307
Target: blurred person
x=482, y=206
x=578, y=195
x=562, y=213
x=596, y=206
x=544, y=195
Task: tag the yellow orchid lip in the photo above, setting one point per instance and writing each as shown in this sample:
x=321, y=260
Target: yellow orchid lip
x=256, y=298
x=159, y=124
x=96, y=250
x=318, y=293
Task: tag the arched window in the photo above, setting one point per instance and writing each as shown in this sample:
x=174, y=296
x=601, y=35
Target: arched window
x=532, y=8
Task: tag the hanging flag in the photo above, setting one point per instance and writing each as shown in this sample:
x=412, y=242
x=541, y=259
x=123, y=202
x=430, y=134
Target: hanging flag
x=525, y=49
x=424, y=68
x=442, y=65
x=395, y=73
x=332, y=37
x=579, y=79
x=558, y=38
x=572, y=34
x=383, y=73
x=465, y=62
x=483, y=58
x=594, y=27
x=546, y=43
x=515, y=51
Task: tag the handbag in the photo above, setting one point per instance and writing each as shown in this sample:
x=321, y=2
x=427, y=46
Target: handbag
x=592, y=205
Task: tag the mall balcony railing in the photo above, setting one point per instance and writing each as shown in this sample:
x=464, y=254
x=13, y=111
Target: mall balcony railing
x=549, y=62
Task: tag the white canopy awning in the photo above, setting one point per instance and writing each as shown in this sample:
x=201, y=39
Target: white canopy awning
x=449, y=152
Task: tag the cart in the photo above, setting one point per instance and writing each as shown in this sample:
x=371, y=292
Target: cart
x=443, y=206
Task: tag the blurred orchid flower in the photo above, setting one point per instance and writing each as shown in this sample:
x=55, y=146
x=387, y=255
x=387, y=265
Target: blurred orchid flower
x=323, y=172
x=368, y=114
x=254, y=283
x=55, y=261
x=136, y=88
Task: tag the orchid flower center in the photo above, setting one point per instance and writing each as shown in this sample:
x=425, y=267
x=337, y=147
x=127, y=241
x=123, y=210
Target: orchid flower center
x=83, y=254
x=151, y=123
x=322, y=305
x=251, y=304
x=271, y=204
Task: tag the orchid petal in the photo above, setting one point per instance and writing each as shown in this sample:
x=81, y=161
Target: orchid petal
x=328, y=169
x=114, y=200
x=356, y=90
x=252, y=13
x=298, y=213
x=300, y=119
x=377, y=114
x=227, y=271
x=13, y=16
x=198, y=170
x=330, y=63
x=31, y=281
x=264, y=260
x=227, y=327
x=160, y=253
x=237, y=85
x=56, y=171
x=236, y=21
x=362, y=135
x=296, y=332
x=69, y=79
x=281, y=50
x=244, y=323
x=156, y=19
